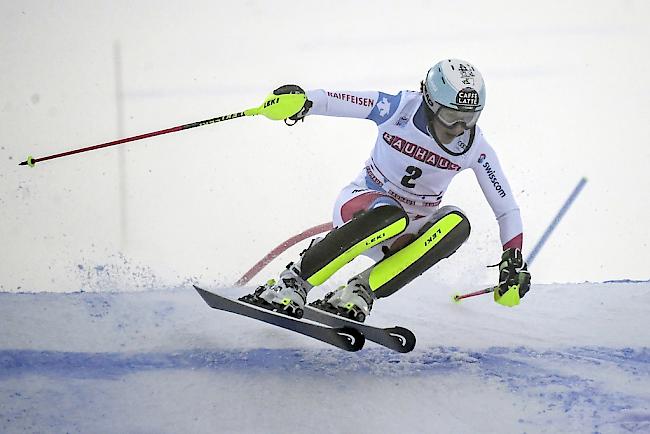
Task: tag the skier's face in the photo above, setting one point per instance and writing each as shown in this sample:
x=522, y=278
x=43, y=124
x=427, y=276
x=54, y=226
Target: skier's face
x=454, y=130
x=450, y=117
x=447, y=133
x=449, y=126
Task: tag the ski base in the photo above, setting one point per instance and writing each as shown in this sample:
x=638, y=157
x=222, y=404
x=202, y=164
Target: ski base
x=397, y=338
x=341, y=336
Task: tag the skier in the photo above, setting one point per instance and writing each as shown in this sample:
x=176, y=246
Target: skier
x=391, y=212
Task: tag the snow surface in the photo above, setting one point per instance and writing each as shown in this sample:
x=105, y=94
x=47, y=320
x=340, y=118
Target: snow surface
x=570, y=358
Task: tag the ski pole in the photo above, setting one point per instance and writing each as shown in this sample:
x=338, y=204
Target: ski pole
x=275, y=107
x=457, y=297
x=567, y=204
x=31, y=161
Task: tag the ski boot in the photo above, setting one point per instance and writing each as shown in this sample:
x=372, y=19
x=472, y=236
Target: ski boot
x=352, y=301
x=288, y=295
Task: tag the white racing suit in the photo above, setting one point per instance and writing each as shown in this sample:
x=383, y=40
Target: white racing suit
x=409, y=167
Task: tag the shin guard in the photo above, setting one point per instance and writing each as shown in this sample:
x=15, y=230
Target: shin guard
x=346, y=242
x=449, y=228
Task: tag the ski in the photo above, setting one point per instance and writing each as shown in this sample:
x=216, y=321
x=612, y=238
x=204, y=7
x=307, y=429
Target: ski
x=341, y=336
x=396, y=338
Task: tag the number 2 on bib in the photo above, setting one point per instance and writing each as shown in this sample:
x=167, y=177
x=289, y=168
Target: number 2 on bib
x=413, y=173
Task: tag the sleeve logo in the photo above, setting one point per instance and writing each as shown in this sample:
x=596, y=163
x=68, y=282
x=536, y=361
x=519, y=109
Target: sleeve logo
x=353, y=99
x=384, y=107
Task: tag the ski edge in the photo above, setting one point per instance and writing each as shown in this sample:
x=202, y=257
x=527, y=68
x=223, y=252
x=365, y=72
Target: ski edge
x=342, y=336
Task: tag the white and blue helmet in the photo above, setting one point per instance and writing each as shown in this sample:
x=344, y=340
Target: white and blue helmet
x=454, y=86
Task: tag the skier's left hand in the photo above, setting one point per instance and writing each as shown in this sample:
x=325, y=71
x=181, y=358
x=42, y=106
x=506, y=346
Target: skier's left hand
x=514, y=278
x=293, y=88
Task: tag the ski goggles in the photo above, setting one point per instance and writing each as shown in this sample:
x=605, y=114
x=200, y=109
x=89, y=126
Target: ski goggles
x=450, y=117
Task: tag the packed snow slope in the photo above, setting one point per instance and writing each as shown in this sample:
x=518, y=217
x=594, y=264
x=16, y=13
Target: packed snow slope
x=571, y=358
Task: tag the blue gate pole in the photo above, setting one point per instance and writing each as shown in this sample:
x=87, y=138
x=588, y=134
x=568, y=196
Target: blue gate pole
x=547, y=233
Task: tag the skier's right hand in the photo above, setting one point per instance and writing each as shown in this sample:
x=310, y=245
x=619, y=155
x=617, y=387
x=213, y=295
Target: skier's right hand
x=514, y=278
x=292, y=88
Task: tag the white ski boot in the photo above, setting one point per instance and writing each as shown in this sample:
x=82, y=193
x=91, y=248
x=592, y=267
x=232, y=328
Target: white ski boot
x=352, y=301
x=288, y=295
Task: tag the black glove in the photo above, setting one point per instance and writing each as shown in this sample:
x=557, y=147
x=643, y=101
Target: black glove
x=514, y=278
x=292, y=88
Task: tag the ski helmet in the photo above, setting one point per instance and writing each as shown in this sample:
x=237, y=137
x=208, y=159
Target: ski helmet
x=454, y=91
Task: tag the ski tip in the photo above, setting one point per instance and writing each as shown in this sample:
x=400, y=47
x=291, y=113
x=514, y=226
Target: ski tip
x=203, y=293
x=456, y=298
